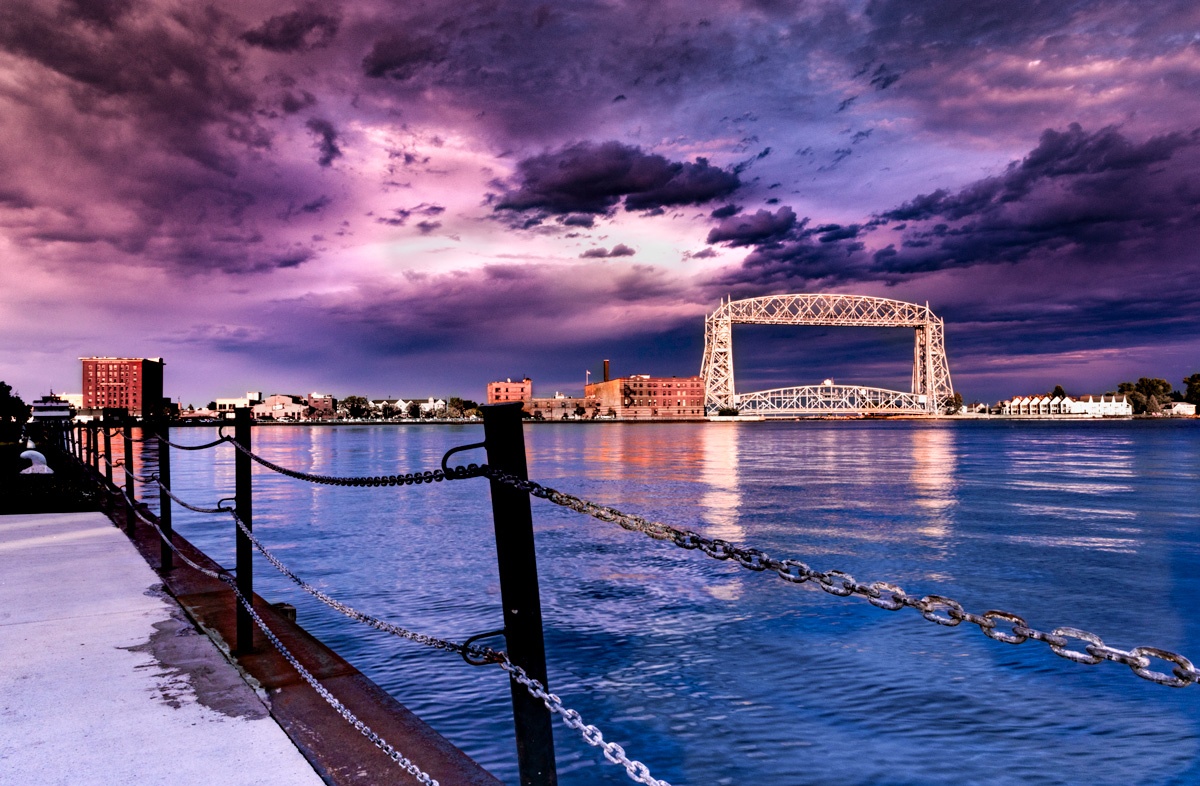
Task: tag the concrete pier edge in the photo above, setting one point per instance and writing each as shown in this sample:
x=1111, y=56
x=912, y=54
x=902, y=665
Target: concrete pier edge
x=339, y=753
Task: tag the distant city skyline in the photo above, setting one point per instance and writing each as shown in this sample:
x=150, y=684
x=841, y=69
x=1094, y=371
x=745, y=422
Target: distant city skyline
x=372, y=198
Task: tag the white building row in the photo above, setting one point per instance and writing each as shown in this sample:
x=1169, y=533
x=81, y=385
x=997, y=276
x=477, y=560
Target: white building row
x=1111, y=406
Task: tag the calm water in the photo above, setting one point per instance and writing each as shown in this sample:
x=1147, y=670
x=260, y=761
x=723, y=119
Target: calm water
x=711, y=674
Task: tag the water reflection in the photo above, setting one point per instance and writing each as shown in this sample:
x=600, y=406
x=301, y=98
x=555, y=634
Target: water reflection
x=933, y=476
x=721, y=500
x=673, y=653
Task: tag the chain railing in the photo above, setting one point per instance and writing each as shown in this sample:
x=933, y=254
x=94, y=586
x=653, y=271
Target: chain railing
x=1074, y=644
x=225, y=577
x=881, y=594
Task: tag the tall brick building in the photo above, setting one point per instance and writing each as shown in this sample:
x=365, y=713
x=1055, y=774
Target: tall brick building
x=132, y=384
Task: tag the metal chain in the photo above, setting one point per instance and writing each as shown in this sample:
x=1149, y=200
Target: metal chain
x=188, y=505
x=484, y=653
x=935, y=608
x=392, y=753
x=591, y=735
x=224, y=576
x=205, y=446
x=409, y=479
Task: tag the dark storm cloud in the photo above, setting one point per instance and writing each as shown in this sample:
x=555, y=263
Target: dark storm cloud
x=511, y=306
x=401, y=56
x=593, y=178
x=762, y=227
x=100, y=12
x=619, y=250
x=1075, y=194
x=305, y=28
x=1076, y=191
x=327, y=137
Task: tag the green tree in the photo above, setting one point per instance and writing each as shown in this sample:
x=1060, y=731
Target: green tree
x=1142, y=392
x=952, y=405
x=413, y=410
x=1192, y=396
x=356, y=406
x=13, y=414
x=1058, y=392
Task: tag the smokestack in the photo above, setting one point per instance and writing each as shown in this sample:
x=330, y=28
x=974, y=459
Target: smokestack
x=606, y=370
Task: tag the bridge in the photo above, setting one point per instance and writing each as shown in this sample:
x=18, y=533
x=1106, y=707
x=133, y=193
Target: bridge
x=931, y=385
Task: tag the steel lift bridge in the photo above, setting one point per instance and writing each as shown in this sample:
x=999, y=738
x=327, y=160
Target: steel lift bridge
x=931, y=384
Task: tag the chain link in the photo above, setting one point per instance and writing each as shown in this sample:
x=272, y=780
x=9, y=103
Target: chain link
x=592, y=735
x=392, y=753
x=409, y=479
x=935, y=608
x=224, y=576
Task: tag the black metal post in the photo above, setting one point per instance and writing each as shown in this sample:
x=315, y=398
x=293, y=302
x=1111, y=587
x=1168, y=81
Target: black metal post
x=166, y=557
x=130, y=488
x=96, y=447
x=108, y=459
x=505, y=440
x=245, y=550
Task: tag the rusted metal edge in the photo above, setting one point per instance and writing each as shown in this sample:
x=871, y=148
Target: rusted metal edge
x=337, y=751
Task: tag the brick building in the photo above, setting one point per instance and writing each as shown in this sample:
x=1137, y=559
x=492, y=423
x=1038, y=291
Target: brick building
x=499, y=392
x=642, y=397
x=132, y=384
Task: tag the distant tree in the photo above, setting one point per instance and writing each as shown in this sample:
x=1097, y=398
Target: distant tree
x=952, y=405
x=356, y=406
x=211, y=405
x=1141, y=392
x=1058, y=392
x=13, y=414
x=1192, y=396
x=579, y=411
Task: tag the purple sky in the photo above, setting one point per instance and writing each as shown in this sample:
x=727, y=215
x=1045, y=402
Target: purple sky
x=413, y=198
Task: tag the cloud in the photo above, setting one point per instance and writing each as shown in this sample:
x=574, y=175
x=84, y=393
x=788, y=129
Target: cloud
x=326, y=140
x=306, y=28
x=762, y=227
x=619, y=250
x=589, y=178
x=400, y=56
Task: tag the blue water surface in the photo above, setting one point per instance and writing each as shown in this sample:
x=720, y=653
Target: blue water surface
x=711, y=674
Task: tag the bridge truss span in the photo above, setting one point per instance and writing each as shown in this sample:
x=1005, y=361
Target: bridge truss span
x=931, y=385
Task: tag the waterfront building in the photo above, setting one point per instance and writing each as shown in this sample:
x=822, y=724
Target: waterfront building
x=563, y=407
x=132, y=384
x=499, y=392
x=1105, y=406
x=643, y=397
x=226, y=406
x=324, y=404
x=1179, y=409
x=280, y=406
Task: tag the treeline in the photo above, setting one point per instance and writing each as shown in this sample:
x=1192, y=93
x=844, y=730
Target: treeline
x=1149, y=395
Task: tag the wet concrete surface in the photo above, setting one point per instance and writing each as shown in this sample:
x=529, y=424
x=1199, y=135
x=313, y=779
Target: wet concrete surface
x=103, y=680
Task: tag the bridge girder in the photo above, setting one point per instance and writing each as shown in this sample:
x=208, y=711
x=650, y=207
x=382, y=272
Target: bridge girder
x=931, y=371
x=831, y=400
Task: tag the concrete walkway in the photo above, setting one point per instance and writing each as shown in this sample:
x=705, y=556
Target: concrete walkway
x=104, y=681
